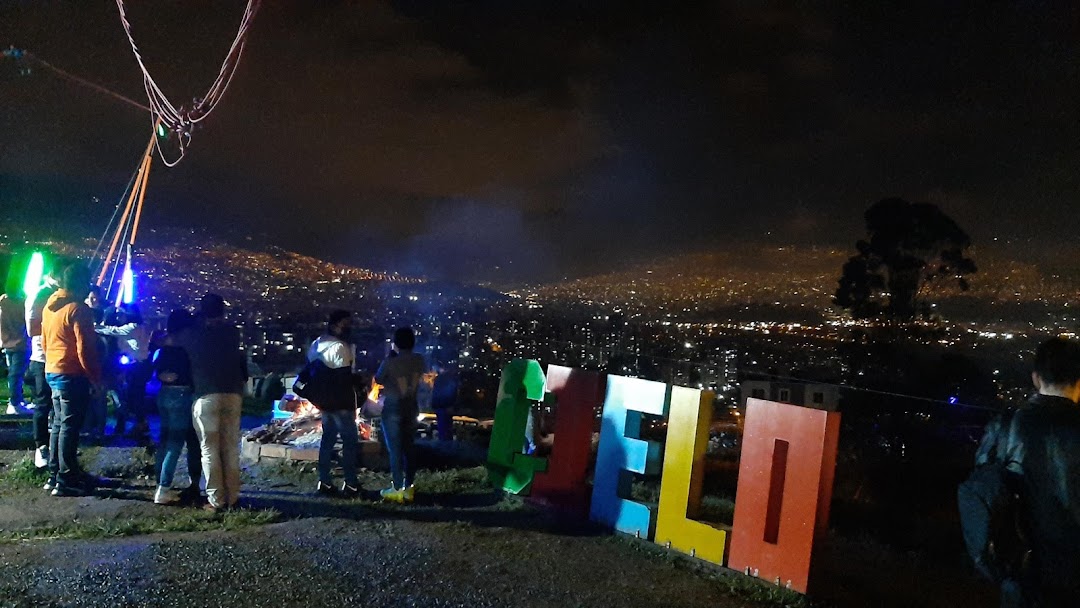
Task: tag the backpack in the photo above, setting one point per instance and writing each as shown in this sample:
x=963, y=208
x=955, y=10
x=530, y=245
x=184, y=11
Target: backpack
x=311, y=382
x=990, y=519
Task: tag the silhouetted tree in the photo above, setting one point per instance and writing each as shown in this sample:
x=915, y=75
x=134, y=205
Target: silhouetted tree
x=910, y=246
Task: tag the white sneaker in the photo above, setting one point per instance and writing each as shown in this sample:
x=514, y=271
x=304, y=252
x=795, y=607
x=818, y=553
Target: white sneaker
x=11, y=410
x=41, y=457
x=164, y=496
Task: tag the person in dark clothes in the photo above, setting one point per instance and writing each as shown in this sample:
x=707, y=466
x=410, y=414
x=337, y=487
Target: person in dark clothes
x=1041, y=444
x=218, y=373
x=444, y=395
x=39, y=386
x=173, y=369
x=400, y=377
x=96, y=416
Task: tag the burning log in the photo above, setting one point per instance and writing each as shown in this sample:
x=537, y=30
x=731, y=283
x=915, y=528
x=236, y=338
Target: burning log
x=303, y=429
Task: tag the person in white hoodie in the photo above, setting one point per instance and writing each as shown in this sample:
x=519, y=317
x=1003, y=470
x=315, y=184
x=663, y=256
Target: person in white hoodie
x=133, y=345
x=337, y=403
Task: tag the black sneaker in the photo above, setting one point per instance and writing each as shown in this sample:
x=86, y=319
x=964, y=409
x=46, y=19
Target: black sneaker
x=190, y=495
x=49, y=485
x=65, y=491
x=325, y=489
x=348, y=491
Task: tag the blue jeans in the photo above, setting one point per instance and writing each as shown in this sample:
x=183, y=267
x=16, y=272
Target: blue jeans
x=177, y=431
x=16, y=364
x=334, y=424
x=399, y=433
x=444, y=423
x=71, y=398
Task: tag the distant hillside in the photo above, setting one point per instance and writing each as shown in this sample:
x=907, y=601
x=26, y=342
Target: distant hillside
x=706, y=284
x=273, y=281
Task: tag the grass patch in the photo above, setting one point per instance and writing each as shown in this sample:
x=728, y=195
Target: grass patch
x=717, y=510
x=714, y=509
x=733, y=584
x=283, y=473
x=183, y=520
x=141, y=462
x=754, y=590
x=453, y=481
x=22, y=475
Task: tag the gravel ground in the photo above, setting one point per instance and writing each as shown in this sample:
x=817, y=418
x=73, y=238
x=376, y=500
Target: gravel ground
x=460, y=545
x=332, y=562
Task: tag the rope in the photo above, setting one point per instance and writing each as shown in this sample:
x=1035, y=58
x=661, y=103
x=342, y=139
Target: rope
x=116, y=211
x=181, y=120
x=83, y=81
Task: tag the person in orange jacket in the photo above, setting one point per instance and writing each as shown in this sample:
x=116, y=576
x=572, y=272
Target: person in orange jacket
x=73, y=370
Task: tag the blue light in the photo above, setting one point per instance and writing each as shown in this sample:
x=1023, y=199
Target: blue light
x=125, y=360
x=127, y=282
x=953, y=400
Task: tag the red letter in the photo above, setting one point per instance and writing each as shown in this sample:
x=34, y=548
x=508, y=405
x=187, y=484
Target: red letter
x=785, y=486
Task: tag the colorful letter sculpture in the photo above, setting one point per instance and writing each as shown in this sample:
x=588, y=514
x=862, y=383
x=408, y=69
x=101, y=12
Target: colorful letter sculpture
x=508, y=468
x=577, y=394
x=785, y=486
x=684, y=469
x=621, y=452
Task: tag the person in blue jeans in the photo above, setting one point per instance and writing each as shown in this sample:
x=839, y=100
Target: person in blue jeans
x=336, y=403
x=400, y=377
x=175, y=400
x=72, y=367
x=13, y=342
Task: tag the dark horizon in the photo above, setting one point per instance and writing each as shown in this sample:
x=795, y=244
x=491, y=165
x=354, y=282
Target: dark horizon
x=503, y=142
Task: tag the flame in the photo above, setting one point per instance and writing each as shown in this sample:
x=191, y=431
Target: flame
x=429, y=378
x=305, y=408
x=299, y=407
x=373, y=394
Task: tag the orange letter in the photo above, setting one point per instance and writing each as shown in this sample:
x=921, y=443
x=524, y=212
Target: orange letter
x=785, y=485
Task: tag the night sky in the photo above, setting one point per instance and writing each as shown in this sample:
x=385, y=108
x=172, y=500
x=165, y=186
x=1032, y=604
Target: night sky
x=535, y=140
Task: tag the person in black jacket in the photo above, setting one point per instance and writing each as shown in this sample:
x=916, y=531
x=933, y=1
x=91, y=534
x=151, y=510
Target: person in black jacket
x=218, y=374
x=336, y=402
x=1041, y=444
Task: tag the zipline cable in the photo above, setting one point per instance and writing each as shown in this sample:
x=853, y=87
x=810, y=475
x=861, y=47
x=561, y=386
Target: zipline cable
x=18, y=54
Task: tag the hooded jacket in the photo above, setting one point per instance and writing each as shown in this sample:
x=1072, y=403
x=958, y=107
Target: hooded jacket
x=336, y=376
x=1041, y=444
x=68, y=338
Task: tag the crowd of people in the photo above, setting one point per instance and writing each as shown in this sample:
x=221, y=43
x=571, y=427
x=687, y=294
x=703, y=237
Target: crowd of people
x=59, y=346
x=78, y=357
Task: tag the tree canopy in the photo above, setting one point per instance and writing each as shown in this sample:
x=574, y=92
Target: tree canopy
x=910, y=248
